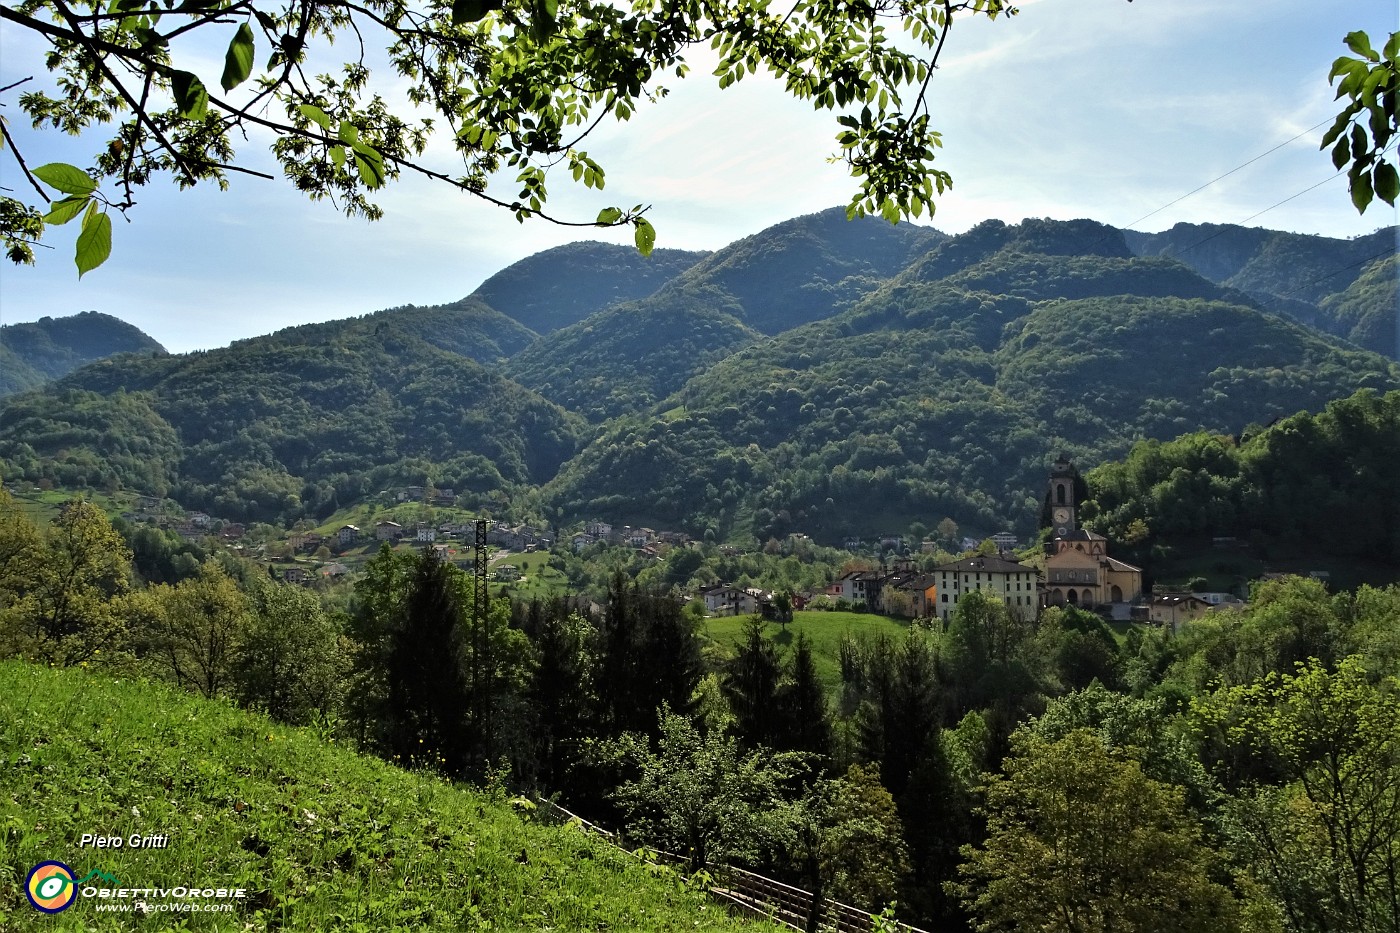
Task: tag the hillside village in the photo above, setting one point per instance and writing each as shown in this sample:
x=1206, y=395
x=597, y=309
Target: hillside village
x=1074, y=568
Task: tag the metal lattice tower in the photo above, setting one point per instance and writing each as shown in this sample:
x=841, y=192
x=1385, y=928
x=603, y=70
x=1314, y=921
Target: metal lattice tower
x=480, y=594
x=481, y=668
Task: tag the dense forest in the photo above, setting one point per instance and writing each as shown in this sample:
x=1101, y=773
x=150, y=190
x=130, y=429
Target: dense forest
x=1242, y=774
x=272, y=430
x=1325, y=483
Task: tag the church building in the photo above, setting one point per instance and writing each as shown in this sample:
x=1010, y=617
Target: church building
x=1078, y=568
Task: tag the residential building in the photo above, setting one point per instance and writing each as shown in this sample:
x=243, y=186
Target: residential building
x=1007, y=581
x=862, y=586
x=728, y=600
x=299, y=575
x=922, y=589
x=1174, y=610
x=1005, y=541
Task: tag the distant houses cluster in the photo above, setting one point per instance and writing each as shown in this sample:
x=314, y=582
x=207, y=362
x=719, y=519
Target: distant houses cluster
x=427, y=494
x=196, y=527
x=1078, y=571
x=646, y=540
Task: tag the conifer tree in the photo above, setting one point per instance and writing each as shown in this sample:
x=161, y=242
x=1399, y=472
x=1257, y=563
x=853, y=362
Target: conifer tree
x=751, y=686
x=804, y=720
x=428, y=696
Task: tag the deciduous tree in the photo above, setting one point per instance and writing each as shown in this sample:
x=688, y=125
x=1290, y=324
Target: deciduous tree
x=1325, y=836
x=291, y=662
x=517, y=86
x=701, y=795
x=58, y=585
x=193, y=631
x=1080, y=840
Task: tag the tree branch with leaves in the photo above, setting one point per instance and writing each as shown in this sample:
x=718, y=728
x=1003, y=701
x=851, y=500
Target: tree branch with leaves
x=518, y=86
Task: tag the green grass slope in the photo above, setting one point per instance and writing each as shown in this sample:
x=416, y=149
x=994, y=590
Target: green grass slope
x=824, y=630
x=318, y=837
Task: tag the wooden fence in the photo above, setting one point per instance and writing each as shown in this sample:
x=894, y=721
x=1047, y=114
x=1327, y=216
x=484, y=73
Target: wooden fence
x=748, y=892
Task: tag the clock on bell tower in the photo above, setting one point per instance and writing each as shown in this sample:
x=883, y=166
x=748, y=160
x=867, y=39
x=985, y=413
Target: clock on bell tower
x=1062, y=497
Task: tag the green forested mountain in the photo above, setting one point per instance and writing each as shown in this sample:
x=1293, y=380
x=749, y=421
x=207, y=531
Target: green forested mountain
x=1368, y=312
x=1307, y=277
x=823, y=377
x=1162, y=366
x=629, y=356
x=564, y=285
x=468, y=328
x=273, y=429
x=937, y=398
x=33, y=353
x=806, y=269
x=801, y=270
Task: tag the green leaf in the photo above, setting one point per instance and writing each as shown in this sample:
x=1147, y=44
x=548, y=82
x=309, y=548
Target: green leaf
x=95, y=240
x=338, y=156
x=471, y=11
x=60, y=212
x=190, y=95
x=348, y=132
x=644, y=236
x=316, y=115
x=238, y=61
x=1340, y=153
x=609, y=215
x=66, y=178
x=370, y=166
x=544, y=19
x=1360, y=43
x=1361, y=192
x=1359, y=143
x=1387, y=182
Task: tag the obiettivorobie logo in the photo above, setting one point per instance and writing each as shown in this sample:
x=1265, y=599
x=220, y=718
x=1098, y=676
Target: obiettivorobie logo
x=51, y=886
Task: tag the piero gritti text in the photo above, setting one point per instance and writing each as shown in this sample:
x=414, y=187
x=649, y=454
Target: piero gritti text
x=134, y=841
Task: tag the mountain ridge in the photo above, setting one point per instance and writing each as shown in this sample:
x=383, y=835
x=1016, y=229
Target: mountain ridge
x=37, y=352
x=924, y=375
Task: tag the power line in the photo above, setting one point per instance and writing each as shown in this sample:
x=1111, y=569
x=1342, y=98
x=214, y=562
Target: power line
x=1388, y=251
x=1324, y=181
x=1227, y=174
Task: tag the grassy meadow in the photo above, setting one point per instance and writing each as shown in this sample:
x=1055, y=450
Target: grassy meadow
x=319, y=837
x=823, y=629
x=537, y=580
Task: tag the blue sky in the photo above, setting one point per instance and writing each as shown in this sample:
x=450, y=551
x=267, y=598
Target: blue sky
x=1075, y=108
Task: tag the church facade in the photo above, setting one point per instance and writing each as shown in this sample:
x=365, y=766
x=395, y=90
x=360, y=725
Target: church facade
x=1079, y=571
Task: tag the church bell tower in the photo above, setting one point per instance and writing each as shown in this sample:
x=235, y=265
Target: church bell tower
x=1062, y=520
